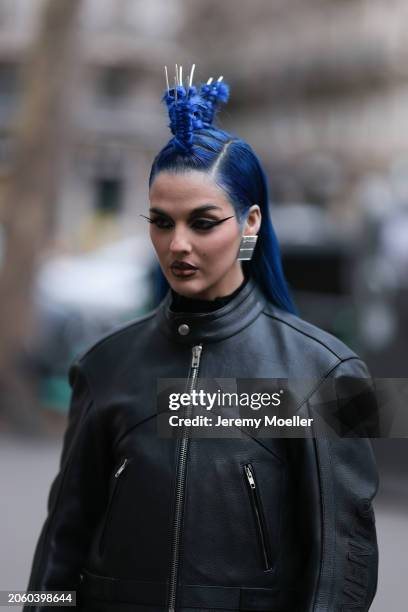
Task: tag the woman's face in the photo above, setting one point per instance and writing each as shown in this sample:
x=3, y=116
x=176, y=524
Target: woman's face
x=196, y=234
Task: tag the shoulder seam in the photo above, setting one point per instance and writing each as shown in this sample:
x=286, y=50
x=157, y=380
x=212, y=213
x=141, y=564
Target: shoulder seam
x=327, y=374
x=300, y=331
x=125, y=327
x=339, y=363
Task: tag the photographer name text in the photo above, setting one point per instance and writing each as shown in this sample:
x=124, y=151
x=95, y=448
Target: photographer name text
x=253, y=422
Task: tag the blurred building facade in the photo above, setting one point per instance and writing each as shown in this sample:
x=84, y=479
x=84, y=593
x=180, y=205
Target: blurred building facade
x=117, y=121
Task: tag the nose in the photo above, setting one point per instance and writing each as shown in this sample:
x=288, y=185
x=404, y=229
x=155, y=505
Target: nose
x=180, y=242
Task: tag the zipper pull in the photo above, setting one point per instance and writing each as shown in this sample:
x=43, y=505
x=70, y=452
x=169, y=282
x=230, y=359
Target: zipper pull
x=249, y=476
x=196, y=355
x=122, y=467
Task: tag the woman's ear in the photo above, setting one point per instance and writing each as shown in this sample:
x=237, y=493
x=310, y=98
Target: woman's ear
x=253, y=221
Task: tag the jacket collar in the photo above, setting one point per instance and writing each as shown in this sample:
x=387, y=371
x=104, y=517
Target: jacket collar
x=194, y=327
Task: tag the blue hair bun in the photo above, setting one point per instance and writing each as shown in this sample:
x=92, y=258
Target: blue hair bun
x=213, y=94
x=190, y=110
x=185, y=108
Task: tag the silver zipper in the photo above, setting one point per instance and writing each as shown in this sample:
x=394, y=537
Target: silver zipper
x=257, y=506
x=180, y=484
x=250, y=478
x=121, y=468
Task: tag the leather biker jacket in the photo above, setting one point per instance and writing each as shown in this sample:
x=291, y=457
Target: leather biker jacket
x=138, y=522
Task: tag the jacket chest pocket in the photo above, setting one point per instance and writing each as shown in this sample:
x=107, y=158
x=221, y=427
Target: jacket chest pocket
x=117, y=482
x=258, y=516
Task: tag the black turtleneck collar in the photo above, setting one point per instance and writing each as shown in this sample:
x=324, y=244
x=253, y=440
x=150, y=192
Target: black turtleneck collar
x=191, y=328
x=180, y=303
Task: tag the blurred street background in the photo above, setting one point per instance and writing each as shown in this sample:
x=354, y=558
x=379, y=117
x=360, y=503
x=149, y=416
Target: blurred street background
x=320, y=90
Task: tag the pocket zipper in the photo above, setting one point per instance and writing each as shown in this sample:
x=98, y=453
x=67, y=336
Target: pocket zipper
x=259, y=518
x=118, y=472
x=121, y=468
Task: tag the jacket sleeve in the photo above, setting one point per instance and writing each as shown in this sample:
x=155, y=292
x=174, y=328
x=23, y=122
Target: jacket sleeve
x=76, y=498
x=338, y=480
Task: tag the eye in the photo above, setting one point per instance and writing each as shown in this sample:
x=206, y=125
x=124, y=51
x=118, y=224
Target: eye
x=204, y=224
x=161, y=222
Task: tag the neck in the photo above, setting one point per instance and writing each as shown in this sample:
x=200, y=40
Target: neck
x=180, y=303
x=234, y=280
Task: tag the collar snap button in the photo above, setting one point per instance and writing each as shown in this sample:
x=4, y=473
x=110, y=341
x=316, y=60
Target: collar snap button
x=183, y=329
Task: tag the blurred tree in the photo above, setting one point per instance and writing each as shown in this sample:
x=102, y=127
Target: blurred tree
x=31, y=196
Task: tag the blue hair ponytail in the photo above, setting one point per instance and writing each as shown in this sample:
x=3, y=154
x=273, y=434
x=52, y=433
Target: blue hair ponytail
x=233, y=165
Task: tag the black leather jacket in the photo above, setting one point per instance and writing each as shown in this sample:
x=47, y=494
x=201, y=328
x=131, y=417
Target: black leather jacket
x=141, y=523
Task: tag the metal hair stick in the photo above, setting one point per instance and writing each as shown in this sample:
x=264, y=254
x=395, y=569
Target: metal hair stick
x=167, y=79
x=191, y=75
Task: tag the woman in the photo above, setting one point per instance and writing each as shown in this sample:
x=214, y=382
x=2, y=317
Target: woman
x=144, y=522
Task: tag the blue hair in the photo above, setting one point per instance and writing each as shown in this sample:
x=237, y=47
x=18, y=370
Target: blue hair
x=235, y=168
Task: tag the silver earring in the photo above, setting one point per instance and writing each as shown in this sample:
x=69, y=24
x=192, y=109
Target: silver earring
x=246, y=247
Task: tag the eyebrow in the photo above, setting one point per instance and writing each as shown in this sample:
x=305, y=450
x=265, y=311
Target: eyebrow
x=193, y=213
